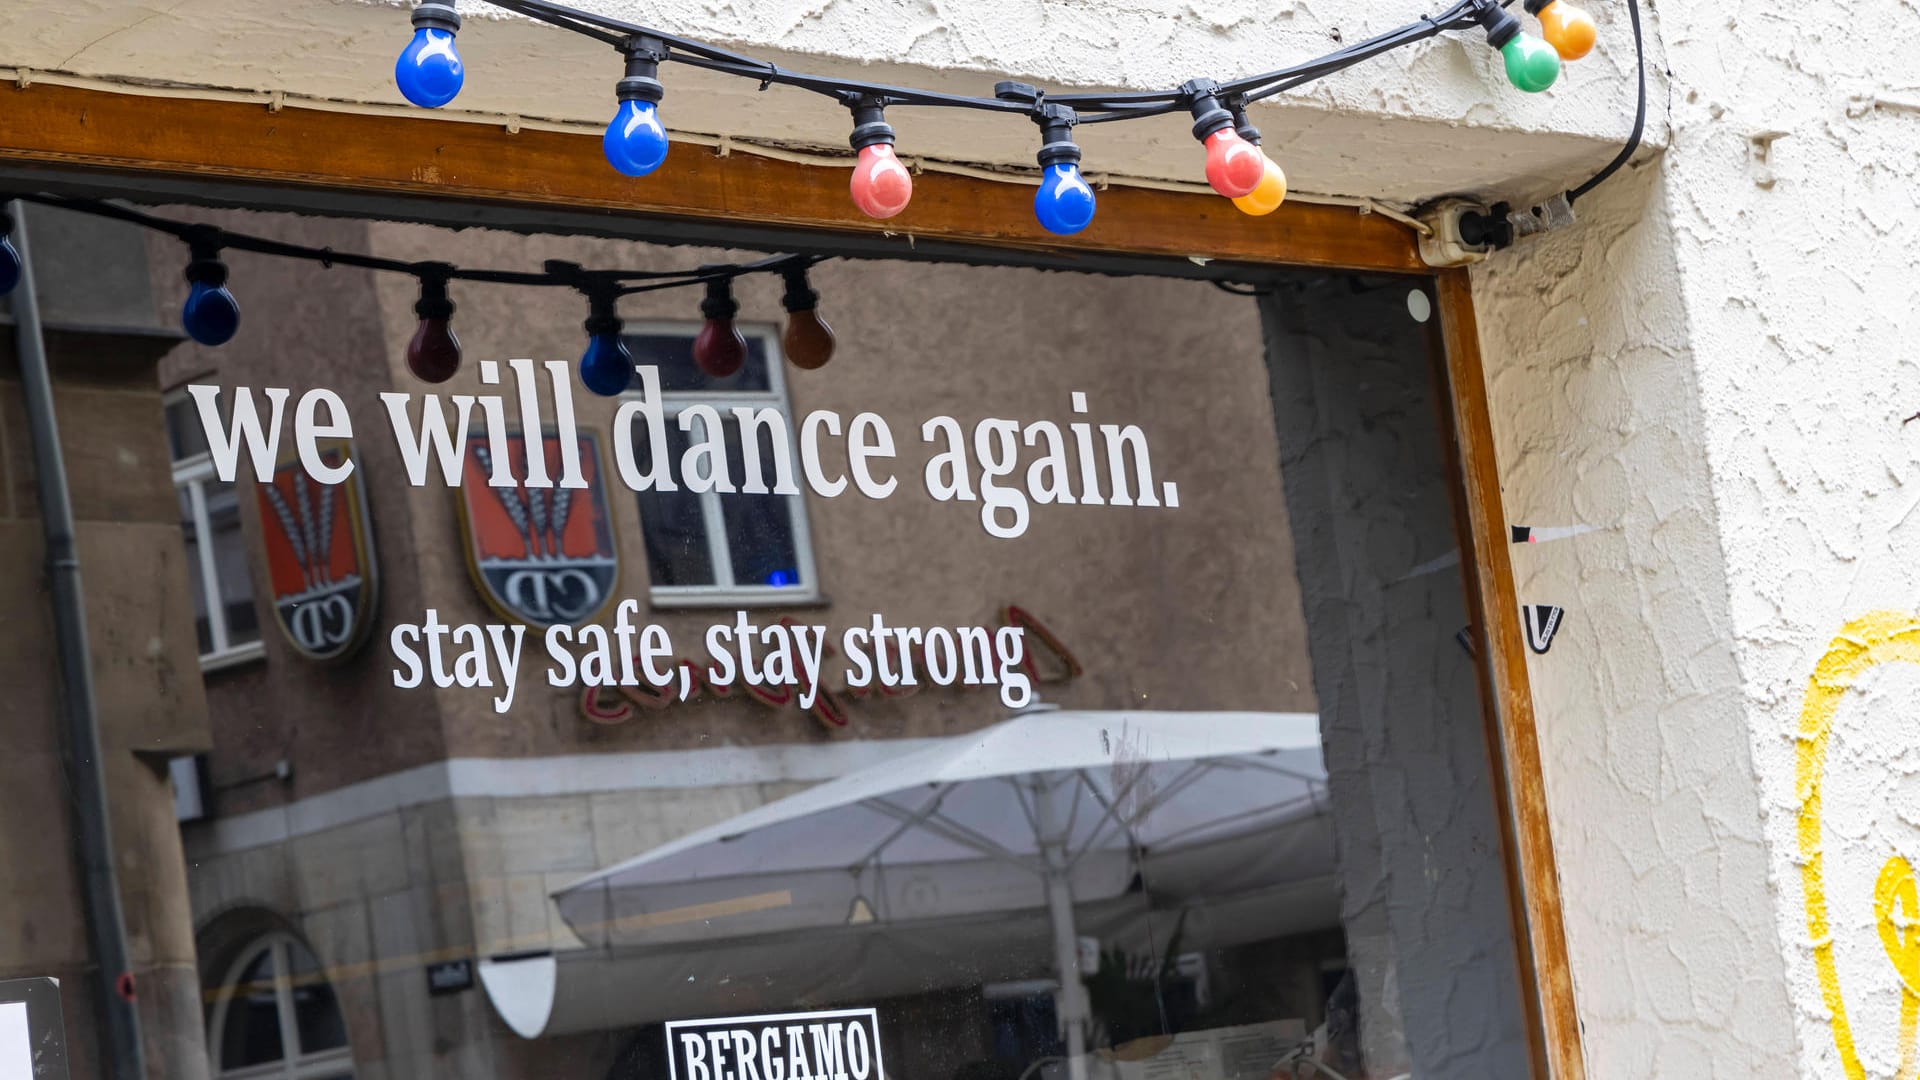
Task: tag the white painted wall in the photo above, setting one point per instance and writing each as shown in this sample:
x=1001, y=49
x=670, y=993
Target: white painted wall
x=1714, y=368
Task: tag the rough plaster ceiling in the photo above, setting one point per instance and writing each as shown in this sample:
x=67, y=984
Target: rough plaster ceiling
x=1433, y=119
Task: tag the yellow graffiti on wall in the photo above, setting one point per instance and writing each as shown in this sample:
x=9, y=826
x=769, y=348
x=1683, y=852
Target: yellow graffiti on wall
x=1870, y=641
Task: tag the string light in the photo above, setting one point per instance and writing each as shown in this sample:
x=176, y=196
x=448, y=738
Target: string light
x=1532, y=64
x=1568, y=29
x=1271, y=191
x=636, y=141
x=434, y=353
x=211, y=316
x=1064, y=204
x=718, y=348
x=808, y=340
x=1234, y=165
x=9, y=256
x=607, y=366
x=429, y=72
x=881, y=187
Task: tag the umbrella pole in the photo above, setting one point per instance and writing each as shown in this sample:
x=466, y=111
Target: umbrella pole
x=1071, y=1002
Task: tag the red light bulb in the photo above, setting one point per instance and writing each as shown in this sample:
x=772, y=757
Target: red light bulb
x=719, y=349
x=881, y=186
x=1234, y=165
x=434, y=353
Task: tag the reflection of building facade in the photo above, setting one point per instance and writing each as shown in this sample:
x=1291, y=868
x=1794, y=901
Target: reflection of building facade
x=370, y=864
x=419, y=827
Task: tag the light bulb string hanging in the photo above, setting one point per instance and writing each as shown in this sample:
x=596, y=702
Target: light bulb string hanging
x=211, y=314
x=429, y=72
x=555, y=273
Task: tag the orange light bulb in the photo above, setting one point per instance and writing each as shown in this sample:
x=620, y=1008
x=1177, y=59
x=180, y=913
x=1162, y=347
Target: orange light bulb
x=1568, y=29
x=1267, y=195
x=808, y=340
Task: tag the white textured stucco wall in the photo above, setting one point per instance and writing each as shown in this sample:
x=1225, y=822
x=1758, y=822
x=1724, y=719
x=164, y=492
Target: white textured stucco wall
x=1656, y=818
x=1714, y=369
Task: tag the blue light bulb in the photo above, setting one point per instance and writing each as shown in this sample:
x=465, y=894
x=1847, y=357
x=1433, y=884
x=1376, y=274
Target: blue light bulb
x=606, y=367
x=636, y=141
x=1064, y=203
x=9, y=266
x=429, y=70
x=211, y=315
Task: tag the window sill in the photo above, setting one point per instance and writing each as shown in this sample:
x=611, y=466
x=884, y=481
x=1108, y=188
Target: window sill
x=249, y=653
x=708, y=599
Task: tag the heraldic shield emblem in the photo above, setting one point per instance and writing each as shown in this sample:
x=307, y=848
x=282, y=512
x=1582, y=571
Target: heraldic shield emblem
x=319, y=555
x=542, y=556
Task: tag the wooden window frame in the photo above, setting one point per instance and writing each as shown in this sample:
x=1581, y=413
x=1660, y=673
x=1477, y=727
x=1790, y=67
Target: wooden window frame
x=351, y=156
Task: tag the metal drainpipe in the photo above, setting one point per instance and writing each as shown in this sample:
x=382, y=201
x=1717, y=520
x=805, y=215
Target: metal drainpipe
x=86, y=774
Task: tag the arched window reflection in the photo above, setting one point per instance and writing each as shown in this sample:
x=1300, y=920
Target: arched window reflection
x=275, y=1016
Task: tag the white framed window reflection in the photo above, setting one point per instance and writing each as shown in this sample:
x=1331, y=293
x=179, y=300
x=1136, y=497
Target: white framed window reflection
x=712, y=548
x=275, y=1016
x=225, y=620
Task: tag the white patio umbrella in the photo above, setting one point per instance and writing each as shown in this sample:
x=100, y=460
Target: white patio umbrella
x=1026, y=818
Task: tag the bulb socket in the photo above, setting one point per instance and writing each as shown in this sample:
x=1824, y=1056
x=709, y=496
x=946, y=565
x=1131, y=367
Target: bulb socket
x=1501, y=25
x=719, y=302
x=434, y=303
x=1056, y=135
x=642, y=80
x=1242, y=126
x=436, y=15
x=1209, y=115
x=870, y=127
x=600, y=314
x=799, y=295
x=207, y=270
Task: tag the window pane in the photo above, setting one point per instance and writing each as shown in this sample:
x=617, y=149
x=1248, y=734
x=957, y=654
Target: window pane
x=314, y=1008
x=675, y=534
x=185, y=436
x=252, y=1032
x=230, y=563
x=759, y=527
x=202, y=628
x=673, y=354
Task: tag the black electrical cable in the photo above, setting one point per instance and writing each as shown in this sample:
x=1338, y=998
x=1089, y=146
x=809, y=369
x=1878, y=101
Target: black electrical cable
x=1639, y=111
x=619, y=282
x=1093, y=108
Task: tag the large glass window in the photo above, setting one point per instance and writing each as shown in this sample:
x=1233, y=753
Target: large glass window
x=724, y=546
x=225, y=621
x=275, y=1017
x=1134, y=739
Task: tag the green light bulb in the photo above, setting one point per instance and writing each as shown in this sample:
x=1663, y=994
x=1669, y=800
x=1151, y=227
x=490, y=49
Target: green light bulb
x=1532, y=65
